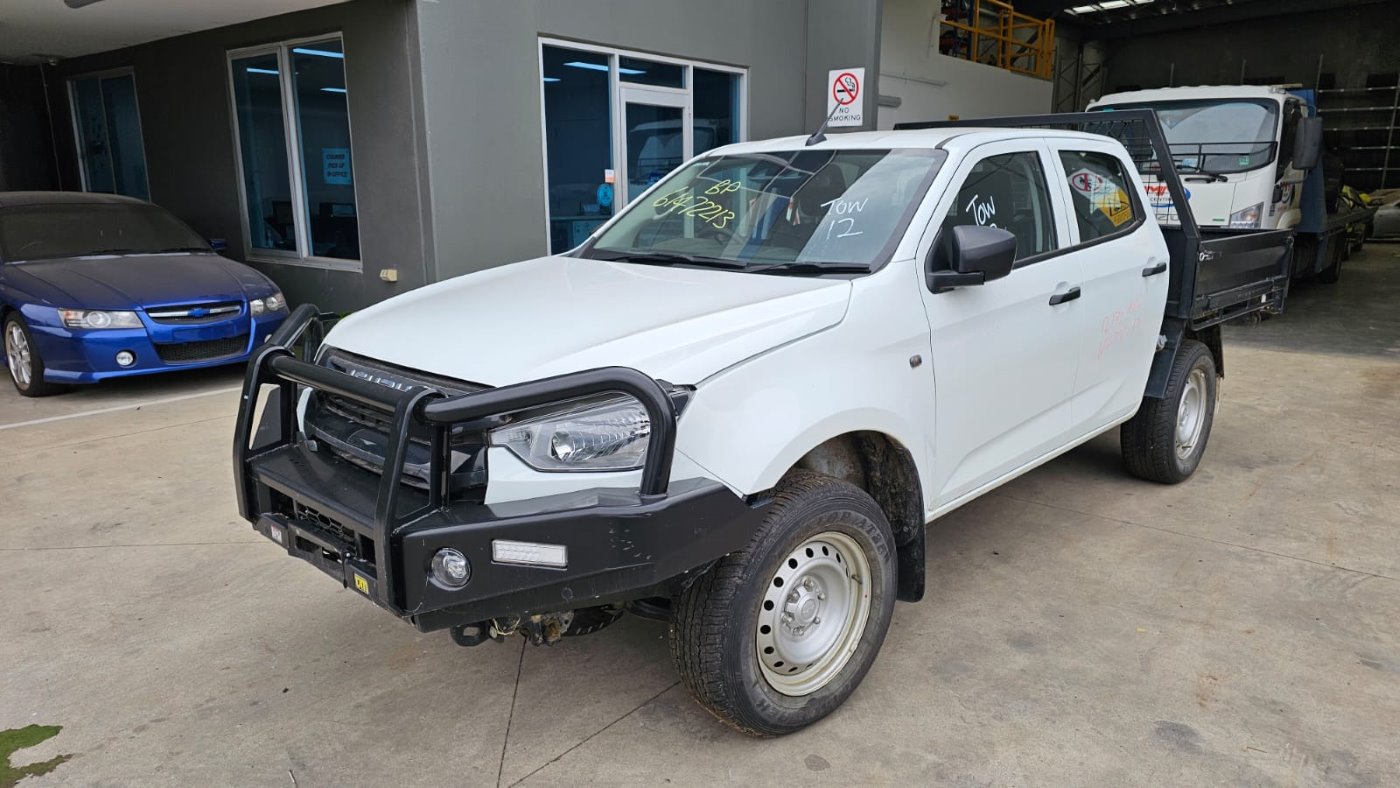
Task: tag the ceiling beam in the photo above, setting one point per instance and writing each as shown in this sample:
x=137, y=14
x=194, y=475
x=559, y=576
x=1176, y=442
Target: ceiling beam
x=1163, y=19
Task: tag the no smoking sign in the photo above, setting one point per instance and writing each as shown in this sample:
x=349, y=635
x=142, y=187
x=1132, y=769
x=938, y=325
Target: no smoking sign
x=843, y=96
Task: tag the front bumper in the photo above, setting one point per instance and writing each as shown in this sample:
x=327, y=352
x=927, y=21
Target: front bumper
x=377, y=536
x=88, y=356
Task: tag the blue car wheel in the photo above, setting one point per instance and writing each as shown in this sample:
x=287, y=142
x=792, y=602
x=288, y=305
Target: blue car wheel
x=22, y=358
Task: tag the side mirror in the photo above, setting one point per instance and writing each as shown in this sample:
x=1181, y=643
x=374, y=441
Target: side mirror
x=1307, y=146
x=973, y=256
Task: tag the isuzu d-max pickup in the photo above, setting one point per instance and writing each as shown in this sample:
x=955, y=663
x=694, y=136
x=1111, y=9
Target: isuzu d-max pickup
x=739, y=403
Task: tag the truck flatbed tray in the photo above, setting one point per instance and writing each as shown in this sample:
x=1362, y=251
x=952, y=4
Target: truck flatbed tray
x=1216, y=275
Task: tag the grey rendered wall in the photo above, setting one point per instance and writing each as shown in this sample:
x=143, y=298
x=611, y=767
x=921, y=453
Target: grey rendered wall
x=481, y=93
x=183, y=95
x=1353, y=43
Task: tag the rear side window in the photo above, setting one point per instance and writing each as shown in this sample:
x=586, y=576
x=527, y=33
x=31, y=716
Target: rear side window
x=1100, y=193
x=1007, y=191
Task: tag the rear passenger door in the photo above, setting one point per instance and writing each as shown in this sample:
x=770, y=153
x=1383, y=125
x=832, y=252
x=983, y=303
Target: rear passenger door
x=1124, y=265
x=1004, y=352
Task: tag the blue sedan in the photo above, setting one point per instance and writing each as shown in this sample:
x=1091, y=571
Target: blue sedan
x=95, y=286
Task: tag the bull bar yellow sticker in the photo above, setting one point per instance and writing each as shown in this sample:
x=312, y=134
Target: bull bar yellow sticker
x=361, y=584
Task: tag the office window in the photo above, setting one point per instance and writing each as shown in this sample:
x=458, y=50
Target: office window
x=298, y=175
x=107, y=127
x=616, y=122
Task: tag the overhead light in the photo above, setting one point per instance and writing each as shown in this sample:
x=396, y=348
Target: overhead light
x=549, y=79
x=332, y=90
x=254, y=70
x=601, y=67
x=319, y=52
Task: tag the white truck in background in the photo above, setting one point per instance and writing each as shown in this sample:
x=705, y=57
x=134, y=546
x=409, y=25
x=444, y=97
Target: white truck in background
x=1250, y=158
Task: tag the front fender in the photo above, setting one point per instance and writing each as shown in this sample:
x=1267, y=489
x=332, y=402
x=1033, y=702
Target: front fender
x=749, y=424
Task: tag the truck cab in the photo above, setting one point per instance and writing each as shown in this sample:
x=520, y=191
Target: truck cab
x=1235, y=148
x=738, y=405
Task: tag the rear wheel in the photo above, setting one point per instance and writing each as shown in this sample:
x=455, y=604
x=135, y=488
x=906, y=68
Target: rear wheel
x=777, y=636
x=23, y=360
x=1165, y=441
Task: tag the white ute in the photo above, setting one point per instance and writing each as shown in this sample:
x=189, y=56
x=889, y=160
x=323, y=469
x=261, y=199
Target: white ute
x=738, y=404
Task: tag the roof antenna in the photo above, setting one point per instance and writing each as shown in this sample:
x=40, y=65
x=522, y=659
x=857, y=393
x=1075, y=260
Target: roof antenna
x=820, y=134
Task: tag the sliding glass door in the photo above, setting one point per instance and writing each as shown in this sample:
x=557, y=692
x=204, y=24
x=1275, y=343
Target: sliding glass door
x=107, y=129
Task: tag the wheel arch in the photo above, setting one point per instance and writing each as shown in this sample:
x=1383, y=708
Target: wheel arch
x=885, y=469
x=1176, y=333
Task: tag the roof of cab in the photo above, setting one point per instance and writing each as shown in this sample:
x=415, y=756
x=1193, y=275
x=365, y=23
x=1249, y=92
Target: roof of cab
x=13, y=199
x=1189, y=92
x=904, y=138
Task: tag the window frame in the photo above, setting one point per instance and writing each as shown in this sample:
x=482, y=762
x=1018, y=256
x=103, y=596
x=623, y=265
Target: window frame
x=291, y=129
x=1036, y=146
x=1057, y=147
x=617, y=108
x=72, y=90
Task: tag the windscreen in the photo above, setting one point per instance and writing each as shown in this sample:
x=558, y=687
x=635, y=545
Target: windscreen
x=46, y=232
x=1219, y=136
x=840, y=208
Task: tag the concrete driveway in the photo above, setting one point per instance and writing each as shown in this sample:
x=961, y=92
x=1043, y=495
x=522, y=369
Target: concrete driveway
x=1081, y=627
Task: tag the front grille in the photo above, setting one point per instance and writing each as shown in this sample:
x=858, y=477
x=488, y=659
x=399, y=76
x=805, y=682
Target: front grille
x=189, y=352
x=359, y=434
x=195, y=314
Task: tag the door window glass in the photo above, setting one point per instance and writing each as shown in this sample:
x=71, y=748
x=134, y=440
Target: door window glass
x=578, y=147
x=716, y=109
x=262, y=138
x=1007, y=191
x=110, y=148
x=1099, y=193
x=655, y=144
x=323, y=123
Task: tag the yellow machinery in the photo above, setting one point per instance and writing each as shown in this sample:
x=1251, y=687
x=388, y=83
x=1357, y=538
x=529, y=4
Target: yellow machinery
x=996, y=34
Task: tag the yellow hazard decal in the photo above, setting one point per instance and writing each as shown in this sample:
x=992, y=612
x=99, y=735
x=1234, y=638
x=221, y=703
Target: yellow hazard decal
x=361, y=584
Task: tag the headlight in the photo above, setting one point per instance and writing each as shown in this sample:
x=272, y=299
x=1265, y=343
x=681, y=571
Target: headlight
x=1247, y=219
x=607, y=436
x=272, y=303
x=92, y=318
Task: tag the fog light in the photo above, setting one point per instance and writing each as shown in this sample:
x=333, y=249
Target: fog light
x=451, y=568
x=126, y=358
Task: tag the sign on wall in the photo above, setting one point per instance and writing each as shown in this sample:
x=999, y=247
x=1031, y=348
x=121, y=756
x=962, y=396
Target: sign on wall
x=843, y=97
x=335, y=166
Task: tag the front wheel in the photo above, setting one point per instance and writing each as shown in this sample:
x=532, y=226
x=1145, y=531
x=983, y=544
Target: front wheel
x=22, y=357
x=777, y=636
x=1165, y=441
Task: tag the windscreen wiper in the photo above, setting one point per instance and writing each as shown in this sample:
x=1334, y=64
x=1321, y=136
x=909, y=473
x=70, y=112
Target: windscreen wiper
x=669, y=258
x=174, y=249
x=809, y=268
x=97, y=252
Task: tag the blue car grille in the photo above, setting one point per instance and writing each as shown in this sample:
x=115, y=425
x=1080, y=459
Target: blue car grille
x=195, y=314
x=190, y=352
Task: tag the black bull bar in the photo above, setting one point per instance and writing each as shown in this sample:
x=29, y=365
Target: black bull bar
x=724, y=519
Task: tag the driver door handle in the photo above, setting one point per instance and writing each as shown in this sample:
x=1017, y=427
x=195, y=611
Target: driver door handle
x=1153, y=270
x=1068, y=295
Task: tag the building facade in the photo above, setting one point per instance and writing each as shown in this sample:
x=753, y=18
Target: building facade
x=357, y=150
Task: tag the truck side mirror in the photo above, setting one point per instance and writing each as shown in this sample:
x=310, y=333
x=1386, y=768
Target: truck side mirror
x=973, y=256
x=1307, y=146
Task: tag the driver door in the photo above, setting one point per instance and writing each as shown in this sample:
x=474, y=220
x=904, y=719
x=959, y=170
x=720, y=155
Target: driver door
x=1005, y=353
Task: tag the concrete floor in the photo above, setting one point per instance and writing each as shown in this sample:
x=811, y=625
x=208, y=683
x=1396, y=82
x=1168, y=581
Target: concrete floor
x=1081, y=627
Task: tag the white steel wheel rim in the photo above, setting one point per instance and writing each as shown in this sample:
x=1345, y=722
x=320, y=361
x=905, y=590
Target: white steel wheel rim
x=17, y=354
x=1191, y=414
x=813, y=613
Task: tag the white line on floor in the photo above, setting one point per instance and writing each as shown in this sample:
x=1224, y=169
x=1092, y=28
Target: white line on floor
x=115, y=408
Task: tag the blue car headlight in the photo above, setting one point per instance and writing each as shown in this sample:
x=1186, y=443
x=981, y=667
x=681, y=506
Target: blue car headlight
x=268, y=304
x=99, y=319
